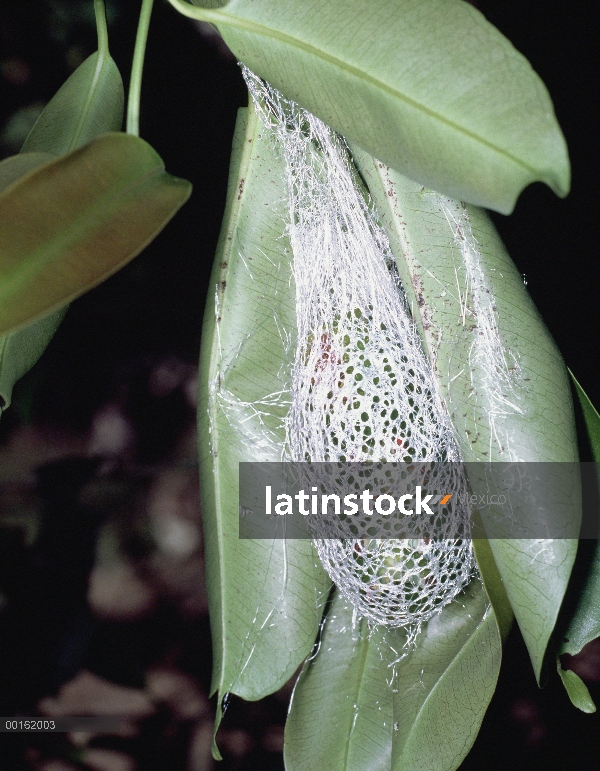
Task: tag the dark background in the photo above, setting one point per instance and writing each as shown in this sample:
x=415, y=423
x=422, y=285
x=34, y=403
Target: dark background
x=115, y=339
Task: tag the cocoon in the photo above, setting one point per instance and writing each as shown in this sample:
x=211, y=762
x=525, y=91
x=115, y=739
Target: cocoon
x=362, y=388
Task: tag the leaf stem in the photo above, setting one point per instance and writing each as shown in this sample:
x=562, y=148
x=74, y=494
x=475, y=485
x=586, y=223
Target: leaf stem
x=137, y=67
x=101, y=28
x=193, y=11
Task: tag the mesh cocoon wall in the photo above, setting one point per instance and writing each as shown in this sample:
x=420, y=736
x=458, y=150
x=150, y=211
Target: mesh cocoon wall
x=362, y=387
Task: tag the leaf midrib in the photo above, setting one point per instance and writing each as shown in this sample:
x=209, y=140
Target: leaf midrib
x=221, y=17
x=66, y=239
x=450, y=664
x=101, y=61
x=362, y=665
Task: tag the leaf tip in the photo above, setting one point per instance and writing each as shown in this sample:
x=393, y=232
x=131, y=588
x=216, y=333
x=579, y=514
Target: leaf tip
x=576, y=689
x=182, y=188
x=560, y=181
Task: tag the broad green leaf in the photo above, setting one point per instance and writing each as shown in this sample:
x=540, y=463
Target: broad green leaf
x=89, y=103
x=428, y=86
x=584, y=626
x=444, y=688
x=499, y=372
x=19, y=351
x=341, y=715
x=366, y=700
x=74, y=221
x=17, y=166
x=576, y=689
x=266, y=597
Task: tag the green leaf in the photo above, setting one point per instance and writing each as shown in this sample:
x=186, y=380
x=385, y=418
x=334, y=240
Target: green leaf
x=576, y=689
x=478, y=326
x=428, y=86
x=460, y=647
x=266, y=597
x=591, y=417
x=17, y=166
x=341, y=715
x=366, y=700
x=74, y=221
x=584, y=626
x=89, y=103
x=494, y=586
x=19, y=351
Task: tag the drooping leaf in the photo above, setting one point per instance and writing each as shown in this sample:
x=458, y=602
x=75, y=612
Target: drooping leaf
x=19, y=351
x=17, y=166
x=584, y=626
x=500, y=374
x=367, y=701
x=341, y=716
x=576, y=689
x=460, y=647
x=428, y=86
x=266, y=597
x=89, y=103
x=76, y=220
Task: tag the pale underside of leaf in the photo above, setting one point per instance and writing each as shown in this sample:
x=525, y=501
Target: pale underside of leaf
x=494, y=586
x=365, y=700
x=429, y=86
x=430, y=259
x=266, y=597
